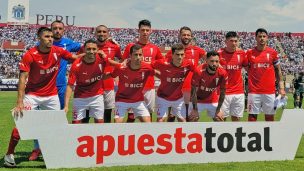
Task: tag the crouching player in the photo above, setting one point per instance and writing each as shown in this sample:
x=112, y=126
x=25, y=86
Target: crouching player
x=208, y=80
x=87, y=72
x=132, y=79
x=172, y=75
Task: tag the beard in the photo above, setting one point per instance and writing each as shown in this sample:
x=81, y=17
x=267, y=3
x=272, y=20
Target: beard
x=186, y=41
x=212, y=68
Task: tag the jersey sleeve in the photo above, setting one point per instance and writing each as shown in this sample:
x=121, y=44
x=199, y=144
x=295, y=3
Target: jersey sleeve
x=126, y=53
x=169, y=55
x=75, y=47
x=25, y=63
x=65, y=54
x=116, y=71
x=195, y=78
x=72, y=75
x=81, y=50
x=202, y=53
x=158, y=56
x=118, y=53
x=223, y=79
x=245, y=60
x=275, y=57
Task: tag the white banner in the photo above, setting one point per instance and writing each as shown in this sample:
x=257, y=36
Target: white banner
x=18, y=11
x=93, y=145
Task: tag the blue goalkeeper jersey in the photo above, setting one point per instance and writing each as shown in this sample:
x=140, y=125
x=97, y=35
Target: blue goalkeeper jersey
x=70, y=46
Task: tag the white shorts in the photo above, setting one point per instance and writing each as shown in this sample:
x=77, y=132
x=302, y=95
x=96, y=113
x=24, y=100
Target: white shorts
x=138, y=108
x=109, y=99
x=32, y=102
x=177, y=106
x=149, y=96
x=93, y=104
x=210, y=107
x=258, y=103
x=234, y=105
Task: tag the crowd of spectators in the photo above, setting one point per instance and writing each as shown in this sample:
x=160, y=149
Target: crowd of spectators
x=291, y=48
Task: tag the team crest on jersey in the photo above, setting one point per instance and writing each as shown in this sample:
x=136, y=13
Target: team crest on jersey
x=142, y=75
x=216, y=81
x=100, y=67
x=267, y=56
x=239, y=58
x=55, y=56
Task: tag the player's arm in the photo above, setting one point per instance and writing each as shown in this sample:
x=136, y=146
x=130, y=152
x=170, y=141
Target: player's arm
x=279, y=78
x=21, y=90
x=68, y=93
x=218, y=113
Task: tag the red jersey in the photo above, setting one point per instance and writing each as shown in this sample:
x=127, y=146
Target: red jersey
x=172, y=78
x=261, y=73
x=233, y=64
x=151, y=53
x=43, y=70
x=131, y=82
x=208, y=85
x=111, y=50
x=192, y=53
x=88, y=77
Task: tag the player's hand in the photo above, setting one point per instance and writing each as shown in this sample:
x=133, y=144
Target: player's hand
x=219, y=116
x=18, y=110
x=282, y=92
x=101, y=54
x=193, y=116
x=124, y=63
x=66, y=109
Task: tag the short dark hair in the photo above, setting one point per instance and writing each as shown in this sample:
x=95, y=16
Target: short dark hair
x=144, y=23
x=101, y=25
x=212, y=53
x=134, y=48
x=57, y=21
x=43, y=29
x=89, y=41
x=176, y=47
x=185, y=28
x=231, y=34
x=261, y=30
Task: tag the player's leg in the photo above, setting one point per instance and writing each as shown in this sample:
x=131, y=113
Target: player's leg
x=225, y=108
x=211, y=109
x=131, y=117
x=9, y=159
x=301, y=100
x=96, y=105
x=109, y=104
x=237, y=107
x=254, y=106
x=162, y=109
x=80, y=108
x=61, y=95
x=177, y=107
x=141, y=112
x=149, y=96
x=121, y=109
x=268, y=106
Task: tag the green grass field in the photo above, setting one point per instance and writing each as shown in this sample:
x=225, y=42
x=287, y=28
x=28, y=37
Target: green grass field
x=7, y=102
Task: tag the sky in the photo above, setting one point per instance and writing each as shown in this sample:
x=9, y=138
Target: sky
x=228, y=15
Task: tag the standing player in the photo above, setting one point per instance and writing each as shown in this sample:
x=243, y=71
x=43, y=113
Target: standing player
x=57, y=28
x=192, y=53
x=112, y=50
x=151, y=53
x=233, y=60
x=87, y=73
x=69, y=45
x=172, y=75
x=37, y=82
x=208, y=80
x=264, y=70
x=132, y=79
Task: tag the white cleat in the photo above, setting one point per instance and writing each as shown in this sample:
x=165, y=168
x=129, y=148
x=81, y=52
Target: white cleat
x=9, y=160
